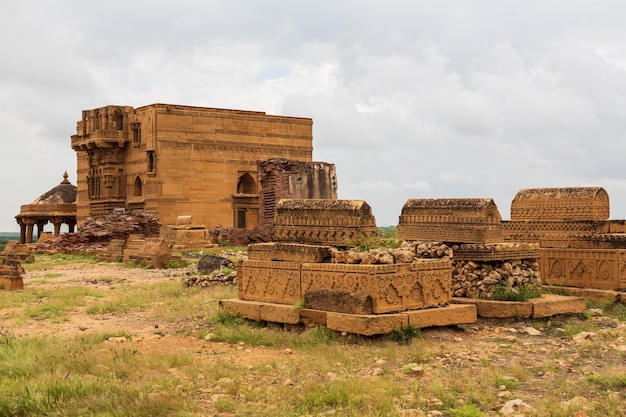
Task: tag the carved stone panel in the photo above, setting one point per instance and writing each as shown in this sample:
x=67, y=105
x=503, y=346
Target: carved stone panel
x=395, y=287
x=281, y=251
x=271, y=281
x=465, y=220
x=592, y=268
x=567, y=203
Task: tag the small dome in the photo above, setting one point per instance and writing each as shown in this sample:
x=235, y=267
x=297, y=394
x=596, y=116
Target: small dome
x=64, y=193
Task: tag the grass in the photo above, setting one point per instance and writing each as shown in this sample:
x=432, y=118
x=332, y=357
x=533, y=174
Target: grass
x=276, y=371
x=520, y=294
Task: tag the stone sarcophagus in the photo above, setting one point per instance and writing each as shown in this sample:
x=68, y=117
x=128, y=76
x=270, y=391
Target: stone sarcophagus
x=324, y=222
x=539, y=211
x=462, y=220
x=580, y=246
x=393, y=287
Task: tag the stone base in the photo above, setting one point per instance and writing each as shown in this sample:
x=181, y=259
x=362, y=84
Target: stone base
x=363, y=324
x=546, y=306
x=605, y=296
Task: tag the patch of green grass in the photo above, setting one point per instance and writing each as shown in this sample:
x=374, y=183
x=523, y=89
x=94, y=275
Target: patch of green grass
x=53, y=275
x=406, y=334
x=608, y=381
x=508, y=293
x=507, y=381
x=45, y=261
x=465, y=410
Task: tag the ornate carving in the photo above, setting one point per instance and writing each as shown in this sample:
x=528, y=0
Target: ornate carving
x=593, y=268
x=569, y=203
x=323, y=222
x=467, y=220
x=271, y=281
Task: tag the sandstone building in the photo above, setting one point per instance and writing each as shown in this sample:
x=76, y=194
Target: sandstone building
x=175, y=160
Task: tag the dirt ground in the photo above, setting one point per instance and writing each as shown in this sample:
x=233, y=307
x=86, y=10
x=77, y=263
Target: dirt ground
x=537, y=343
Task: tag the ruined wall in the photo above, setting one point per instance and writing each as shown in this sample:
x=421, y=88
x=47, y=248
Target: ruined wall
x=180, y=160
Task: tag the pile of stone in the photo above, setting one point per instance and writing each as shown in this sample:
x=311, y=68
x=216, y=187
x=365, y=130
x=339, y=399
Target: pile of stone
x=474, y=277
x=212, y=270
x=95, y=234
x=480, y=278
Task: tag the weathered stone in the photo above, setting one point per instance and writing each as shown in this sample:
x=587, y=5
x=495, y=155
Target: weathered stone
x=470, y=220
x=339, y=301
x=10, y=277
x=292, y=252
x=550, y=305
x=270, y=281
x=210, y=263
x=324, y=222
x=248, y=309
x=443, y=316
x=499, y=309
x=312, y=318
x=367, y=325
x=279, y=313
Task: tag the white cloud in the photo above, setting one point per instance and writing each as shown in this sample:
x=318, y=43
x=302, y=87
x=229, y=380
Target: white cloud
x=409, y=99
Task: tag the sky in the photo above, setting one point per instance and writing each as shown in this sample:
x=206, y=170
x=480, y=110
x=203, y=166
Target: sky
x=409, y=99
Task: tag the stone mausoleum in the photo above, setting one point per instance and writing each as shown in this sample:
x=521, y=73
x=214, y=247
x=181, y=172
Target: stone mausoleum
x=174, y=160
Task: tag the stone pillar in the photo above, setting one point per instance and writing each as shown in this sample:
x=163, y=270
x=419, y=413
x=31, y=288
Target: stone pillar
x=29, y=231
x=57, y=226
x=40, y=225
x=71, y=225
x=22, y=231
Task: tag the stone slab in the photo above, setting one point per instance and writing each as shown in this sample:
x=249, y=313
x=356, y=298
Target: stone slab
x=367, y=325
x=247, y=309
x=498, y=309
x=293, y=252
x=279, y=313
x=270, y=281
x=606, y=296
x=443, y=316
x=550, y=305
x=312, y=318
x=338, y=301
x=393, y=287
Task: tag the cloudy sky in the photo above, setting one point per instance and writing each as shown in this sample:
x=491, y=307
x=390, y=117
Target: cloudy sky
x=409, y=98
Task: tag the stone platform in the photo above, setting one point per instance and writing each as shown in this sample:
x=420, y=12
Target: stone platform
x=546, y=306
x=363, y=324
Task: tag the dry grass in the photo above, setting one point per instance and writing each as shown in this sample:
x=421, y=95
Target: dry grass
x=199, y=361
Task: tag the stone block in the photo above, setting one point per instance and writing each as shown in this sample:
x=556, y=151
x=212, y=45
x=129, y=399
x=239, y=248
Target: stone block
x=592, y=268
x=10, y=278
x=270, y=281
x=567, y=203
x=466, y=220
x=605, y=296
x=248, y=309
x=279, y=313
x=292, y=252
x=393, y=287
x=323, y=222
x=551, y=305
x=312, y=318
x=443, y=316
x=367, y=325
x=339, y=301
x=498, y=309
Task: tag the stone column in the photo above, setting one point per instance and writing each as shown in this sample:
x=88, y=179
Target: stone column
x=40, y=225
x=57, y=221
x=22, y=231
x=29, y=231
x=71, y=225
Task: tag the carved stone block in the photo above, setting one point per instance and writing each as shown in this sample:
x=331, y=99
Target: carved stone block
x=568, y=203
x=463, y=220
x=393, y=287
x=443, y=316
x=324, y=222
x=271, y=281
x=593, y=268
x=294, y=252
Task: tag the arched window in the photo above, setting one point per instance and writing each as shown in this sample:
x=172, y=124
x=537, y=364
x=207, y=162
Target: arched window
x=246, y=184
x=137, y=192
